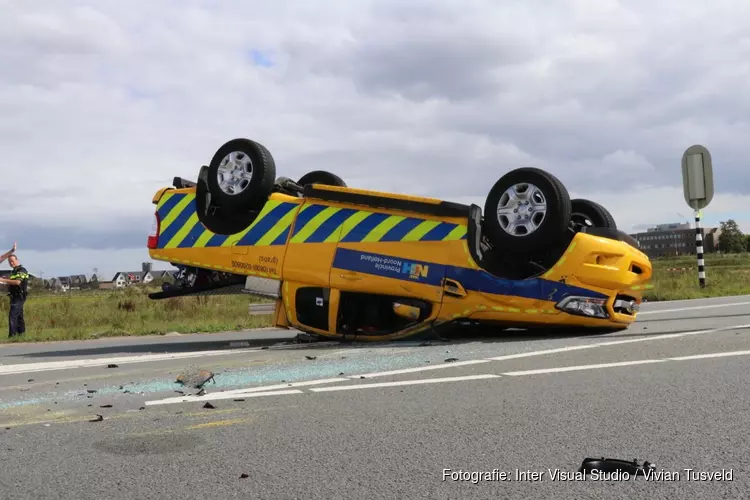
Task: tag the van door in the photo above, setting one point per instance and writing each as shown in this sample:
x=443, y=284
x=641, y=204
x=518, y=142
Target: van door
x=312, y=243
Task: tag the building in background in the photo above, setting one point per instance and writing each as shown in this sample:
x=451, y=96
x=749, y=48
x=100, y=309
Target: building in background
x=673, y=239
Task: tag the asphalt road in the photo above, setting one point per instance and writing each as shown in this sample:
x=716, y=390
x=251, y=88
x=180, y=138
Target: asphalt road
x=670, y=390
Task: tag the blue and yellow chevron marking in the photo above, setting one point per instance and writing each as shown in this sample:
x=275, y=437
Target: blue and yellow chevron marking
x=180, y=227
x=321, y=223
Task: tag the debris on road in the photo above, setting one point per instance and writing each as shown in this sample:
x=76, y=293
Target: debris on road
x=340, y=374
x=616, y=465
x=451, y=360
x=180, y=392
x=238, y=400
x=244, y=476
x=112, y=365
x=311, y=357
x=31, y=380
x=105, y=406
x=98, y=418
x=91, y=391
x=195, y=377
x=209, y=406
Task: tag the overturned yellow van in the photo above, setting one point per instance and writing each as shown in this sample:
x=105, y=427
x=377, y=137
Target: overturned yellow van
x=356, y=264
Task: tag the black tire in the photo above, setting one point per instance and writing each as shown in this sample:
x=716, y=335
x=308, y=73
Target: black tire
x=321, y=177
x=552, y=226
x=254, y=194
x=590, y=214
x=220, y=220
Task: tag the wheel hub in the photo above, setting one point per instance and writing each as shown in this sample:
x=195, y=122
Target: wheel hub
x=235, y=173
x=521, y=209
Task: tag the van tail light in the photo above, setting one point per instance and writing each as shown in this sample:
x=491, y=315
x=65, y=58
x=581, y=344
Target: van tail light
x=153, y=236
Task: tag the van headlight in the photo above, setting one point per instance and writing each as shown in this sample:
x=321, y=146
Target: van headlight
x=583, y=306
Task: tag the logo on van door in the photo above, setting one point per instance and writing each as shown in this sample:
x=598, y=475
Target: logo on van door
x=415, y=271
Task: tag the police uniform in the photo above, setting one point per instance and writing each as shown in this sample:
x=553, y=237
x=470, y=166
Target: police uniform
x=17, y=294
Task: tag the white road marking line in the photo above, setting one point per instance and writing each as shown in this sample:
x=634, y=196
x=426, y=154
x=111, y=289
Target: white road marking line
x=402, y=382
x=680, y=309
x=98, y=362
x=219, y=396
x=240, y=393
x=625, y=363
x=582, y=367
x=712, y=355
x=420, y=368
x=591, y=346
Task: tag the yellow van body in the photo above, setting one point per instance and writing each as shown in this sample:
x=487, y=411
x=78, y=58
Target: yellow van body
x=334, y=245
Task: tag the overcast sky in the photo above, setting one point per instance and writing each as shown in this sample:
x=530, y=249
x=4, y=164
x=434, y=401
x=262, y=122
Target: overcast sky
x=102, y=103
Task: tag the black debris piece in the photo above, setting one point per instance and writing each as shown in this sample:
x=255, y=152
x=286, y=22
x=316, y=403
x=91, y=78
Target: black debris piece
x=362, y=376
x=239, y=400
x=451, y=360
x=615, y=465
x=112, y=365
x=31, y=380
x=142, y=408
x=209, y=406
x=7, y=428
x=180, y=392
x=91, y=391
x=311, y=357
x=341, y=374
x=98, y=418
x=121, y=387
x=105, y=406
x=89, y=405
x=244, y=476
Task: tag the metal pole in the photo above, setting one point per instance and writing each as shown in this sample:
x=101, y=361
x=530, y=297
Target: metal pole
x=699, y=250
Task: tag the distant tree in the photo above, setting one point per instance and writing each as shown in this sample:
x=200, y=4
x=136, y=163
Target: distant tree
x=747, y=242
x=731, y=239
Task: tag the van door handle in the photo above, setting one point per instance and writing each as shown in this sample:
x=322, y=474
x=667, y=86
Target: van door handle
x=351, y=277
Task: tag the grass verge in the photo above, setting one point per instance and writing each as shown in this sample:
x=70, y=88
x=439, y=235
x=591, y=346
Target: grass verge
x=726, y=275
x=87, y=315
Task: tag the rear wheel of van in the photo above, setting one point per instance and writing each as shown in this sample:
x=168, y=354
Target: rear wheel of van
x=527, y=211
x=241, y=175
x=321, y=177
x=586, y=213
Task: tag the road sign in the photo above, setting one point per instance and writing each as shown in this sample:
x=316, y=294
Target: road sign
x=697, y=177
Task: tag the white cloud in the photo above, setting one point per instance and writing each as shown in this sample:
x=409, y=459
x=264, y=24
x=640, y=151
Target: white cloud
x=102, y=103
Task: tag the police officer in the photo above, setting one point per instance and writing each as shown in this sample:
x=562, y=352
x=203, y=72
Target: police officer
x=17, y=290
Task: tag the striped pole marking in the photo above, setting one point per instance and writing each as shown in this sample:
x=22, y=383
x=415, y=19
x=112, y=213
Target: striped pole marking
x=699, y=250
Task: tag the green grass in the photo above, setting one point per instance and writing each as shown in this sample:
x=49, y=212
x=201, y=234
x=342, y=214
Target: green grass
x=727, y=274
x=85, y=315
x=79, y=315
